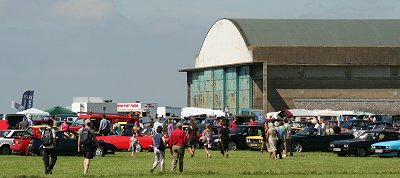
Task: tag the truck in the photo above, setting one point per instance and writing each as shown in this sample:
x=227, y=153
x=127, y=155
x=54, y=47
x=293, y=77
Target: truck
x=168, y=111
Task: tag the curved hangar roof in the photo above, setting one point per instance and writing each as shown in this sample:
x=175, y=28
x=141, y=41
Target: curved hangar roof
x=229, y=41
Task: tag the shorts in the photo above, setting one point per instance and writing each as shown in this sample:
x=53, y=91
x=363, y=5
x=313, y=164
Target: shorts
x=192, y=143
x=133, y=148
x=88, y=152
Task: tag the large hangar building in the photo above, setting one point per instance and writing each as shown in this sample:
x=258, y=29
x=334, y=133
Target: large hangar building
x=275, y=64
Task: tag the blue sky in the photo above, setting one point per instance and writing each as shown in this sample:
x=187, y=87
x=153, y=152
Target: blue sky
x=129, y=50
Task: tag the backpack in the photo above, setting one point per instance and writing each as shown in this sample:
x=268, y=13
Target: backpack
x=161, y=145
x=86, y=137
x=47, y=137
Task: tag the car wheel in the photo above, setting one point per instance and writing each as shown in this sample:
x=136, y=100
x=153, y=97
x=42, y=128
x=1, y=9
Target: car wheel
x=232, y=146
x=361, y=152
x=139, y=148
x=297, y=147
x=198, y=145
x=99, y=152
x=398, y=153
x=5, y=150
x=40, y=152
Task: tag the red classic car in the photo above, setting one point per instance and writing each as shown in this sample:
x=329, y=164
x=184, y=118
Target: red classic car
x=20, y=144
x=122, y=141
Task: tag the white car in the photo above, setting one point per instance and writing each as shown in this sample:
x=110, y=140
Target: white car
x=7, y=138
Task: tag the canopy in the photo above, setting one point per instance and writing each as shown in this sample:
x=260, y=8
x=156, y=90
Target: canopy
x=57, y=110
x=33, y=111
x=192, y=111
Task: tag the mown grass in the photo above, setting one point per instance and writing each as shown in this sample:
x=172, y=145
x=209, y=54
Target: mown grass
x=239, y=164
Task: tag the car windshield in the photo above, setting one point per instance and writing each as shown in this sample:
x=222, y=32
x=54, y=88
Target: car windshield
x=78, y=121
x=237, y=130
x=367, y=136
x=306, y=132
x=4, y=133
x=396, y=122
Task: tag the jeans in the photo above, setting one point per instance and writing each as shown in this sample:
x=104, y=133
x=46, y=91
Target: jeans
x=159, y=157
x=47, y=153
x=279, y=145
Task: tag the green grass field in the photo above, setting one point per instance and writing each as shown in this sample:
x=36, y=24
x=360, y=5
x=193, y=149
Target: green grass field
x=239, y=164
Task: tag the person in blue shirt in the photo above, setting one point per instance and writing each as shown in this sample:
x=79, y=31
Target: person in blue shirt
x=279, y=142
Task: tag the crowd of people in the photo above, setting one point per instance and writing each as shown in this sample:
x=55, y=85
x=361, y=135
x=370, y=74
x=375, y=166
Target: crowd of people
x=276, y=137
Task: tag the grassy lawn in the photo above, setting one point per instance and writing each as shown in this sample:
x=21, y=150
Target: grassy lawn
x=239, y=164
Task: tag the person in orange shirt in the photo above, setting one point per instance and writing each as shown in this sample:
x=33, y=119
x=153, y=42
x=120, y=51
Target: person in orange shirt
x=177, y=142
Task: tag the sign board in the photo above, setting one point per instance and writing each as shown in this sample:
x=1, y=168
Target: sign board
x=128, y=107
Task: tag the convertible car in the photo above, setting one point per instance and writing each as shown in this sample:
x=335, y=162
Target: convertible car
x=308, y=140
x=67, y=144
x=387, y=149
x=122, y=141
x=361, y=146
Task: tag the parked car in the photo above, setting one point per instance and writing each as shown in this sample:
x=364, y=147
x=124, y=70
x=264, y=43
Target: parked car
x=238, y=136
x=387, y=149
x=298, y=126
x=361, y=146
x=7, y=138
x=354, y=125
x=20, y=144
x=308, y=140
x=67, y=144
x=122, y=141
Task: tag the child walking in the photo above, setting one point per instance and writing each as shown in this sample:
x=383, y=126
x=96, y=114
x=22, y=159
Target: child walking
x=133, y=141
x=207, y=136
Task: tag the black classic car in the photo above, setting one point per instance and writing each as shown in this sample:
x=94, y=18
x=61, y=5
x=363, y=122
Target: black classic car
x=67, y=144
x=361, y=146
x=238, y=136
x=308, y=140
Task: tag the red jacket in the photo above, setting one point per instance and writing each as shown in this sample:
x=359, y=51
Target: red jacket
x=178, y=137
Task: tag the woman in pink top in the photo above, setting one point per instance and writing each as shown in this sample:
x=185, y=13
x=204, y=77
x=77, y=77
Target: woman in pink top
x=64, y=126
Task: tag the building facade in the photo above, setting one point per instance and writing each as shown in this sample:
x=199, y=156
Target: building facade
x=285, y=64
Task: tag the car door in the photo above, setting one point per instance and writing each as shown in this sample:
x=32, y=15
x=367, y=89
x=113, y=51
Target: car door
x=68, y=144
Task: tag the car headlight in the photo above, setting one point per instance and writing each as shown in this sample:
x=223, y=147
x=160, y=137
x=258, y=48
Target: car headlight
x=345, y=146
x=388, y=147
x=248, y=140
x=372, y=147
x=216, y=140
x=332, y=145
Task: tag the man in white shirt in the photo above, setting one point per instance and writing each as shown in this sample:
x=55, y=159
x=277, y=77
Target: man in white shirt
x=156, y=124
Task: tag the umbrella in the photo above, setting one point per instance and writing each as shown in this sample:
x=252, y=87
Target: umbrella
x=58, y=110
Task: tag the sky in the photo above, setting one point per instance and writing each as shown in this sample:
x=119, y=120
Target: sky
x=128, y=50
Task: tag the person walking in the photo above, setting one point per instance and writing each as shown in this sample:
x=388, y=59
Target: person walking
x=49, y=143
x=264, y=143
x=133, y=142
x=104, y=128
x=288, y=145
x=170, y=127
x=177, y=141
x=279, y=142
x=159, y=149
x=272, y=140
x=207, y=140
x=223, y=135
x=283, y=137
x=86, y=143
x=192, y=134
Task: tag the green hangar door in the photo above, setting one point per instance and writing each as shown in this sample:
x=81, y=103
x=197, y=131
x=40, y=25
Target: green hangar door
x=220, y=87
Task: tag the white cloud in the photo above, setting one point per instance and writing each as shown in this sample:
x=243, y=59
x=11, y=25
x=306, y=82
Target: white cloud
x=83, y=10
